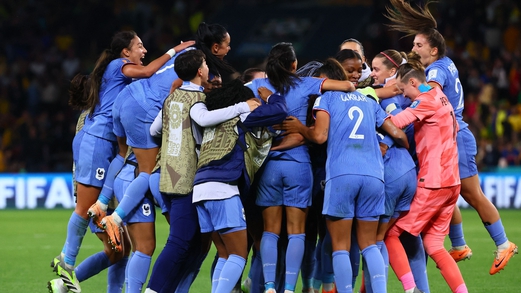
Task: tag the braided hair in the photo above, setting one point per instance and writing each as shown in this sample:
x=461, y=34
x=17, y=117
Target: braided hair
x=413, y=68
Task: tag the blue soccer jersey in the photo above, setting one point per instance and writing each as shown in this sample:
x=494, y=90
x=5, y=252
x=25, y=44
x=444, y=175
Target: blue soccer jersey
x=297, y=103
x=100, y=122
x=155, y=89
x=394, y=106
x=444, y=72
x=352, y=143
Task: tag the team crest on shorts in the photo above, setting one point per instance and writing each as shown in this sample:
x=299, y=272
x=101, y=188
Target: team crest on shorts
x=146, y=209
x=100, y=173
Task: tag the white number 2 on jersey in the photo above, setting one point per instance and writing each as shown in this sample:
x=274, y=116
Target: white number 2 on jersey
x=353, y=134
x=459, y=90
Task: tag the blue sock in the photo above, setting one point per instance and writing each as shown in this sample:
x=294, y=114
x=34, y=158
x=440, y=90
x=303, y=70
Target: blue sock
x=328, y=276
x=116, y=276
x=413, y=246
x=138, y=268
x=256, y=276
x=217, y=273
x=126, y=268
x=133, y=195
x=354, y=256
x=342, y=269
x=269, y=253
x=308, y=264
x=230, y=274
x=108, y=186
x=269, y=285
x=376, y=268
x=497, y=232
x=456, y=235
x=92, y=265
x=317, y=271
x=294, y=254
x=76, y=229
x=385, y=255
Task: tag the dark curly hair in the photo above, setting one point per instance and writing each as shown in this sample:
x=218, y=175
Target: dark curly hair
x=229, y=94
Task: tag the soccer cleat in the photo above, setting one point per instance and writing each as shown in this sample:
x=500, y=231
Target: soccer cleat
x=68, y=277
x=55, y=262
x=502, y=258
x=56, y=286
x=330, y=291
x=416, y=290
x=113, y=231
x=96, y=213
x=460, y=254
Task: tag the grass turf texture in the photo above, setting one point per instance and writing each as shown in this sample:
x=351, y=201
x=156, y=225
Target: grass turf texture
x=29, y=239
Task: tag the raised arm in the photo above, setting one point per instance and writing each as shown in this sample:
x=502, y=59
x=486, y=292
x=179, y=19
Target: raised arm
x=139, y=71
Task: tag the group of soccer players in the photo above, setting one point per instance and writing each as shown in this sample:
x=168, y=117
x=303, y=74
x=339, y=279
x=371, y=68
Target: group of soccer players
x=396, y=157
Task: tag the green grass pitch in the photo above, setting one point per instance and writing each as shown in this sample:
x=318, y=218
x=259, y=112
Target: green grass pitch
x=29, y=239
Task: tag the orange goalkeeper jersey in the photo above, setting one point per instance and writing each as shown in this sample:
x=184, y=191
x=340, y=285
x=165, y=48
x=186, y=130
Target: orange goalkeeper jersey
x=435, y=129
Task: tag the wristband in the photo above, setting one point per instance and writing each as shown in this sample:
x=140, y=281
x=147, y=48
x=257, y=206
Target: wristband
x=171, y=52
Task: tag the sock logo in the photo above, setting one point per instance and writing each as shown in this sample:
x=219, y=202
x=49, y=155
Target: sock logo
x=100, y=173
x=146, y=209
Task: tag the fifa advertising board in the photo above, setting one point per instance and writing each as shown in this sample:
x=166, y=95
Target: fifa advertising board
x=55, y=190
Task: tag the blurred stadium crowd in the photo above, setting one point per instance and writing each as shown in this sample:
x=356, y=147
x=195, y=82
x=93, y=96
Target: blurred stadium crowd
x=44, y=43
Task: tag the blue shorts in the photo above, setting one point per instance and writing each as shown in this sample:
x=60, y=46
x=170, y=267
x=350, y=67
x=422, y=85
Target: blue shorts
x=467, y=151
x=145, y=211
x=354, y=196
x=221, y=215
x=92, y=156
x=135, y=118
x=399, y=193
x=285, y=183
x=117, y=127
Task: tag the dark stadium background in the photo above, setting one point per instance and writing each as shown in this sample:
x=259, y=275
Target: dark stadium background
x=44, y=43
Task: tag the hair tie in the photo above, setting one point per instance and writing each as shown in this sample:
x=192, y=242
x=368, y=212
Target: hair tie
x=387, y=56
x=403, y=61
